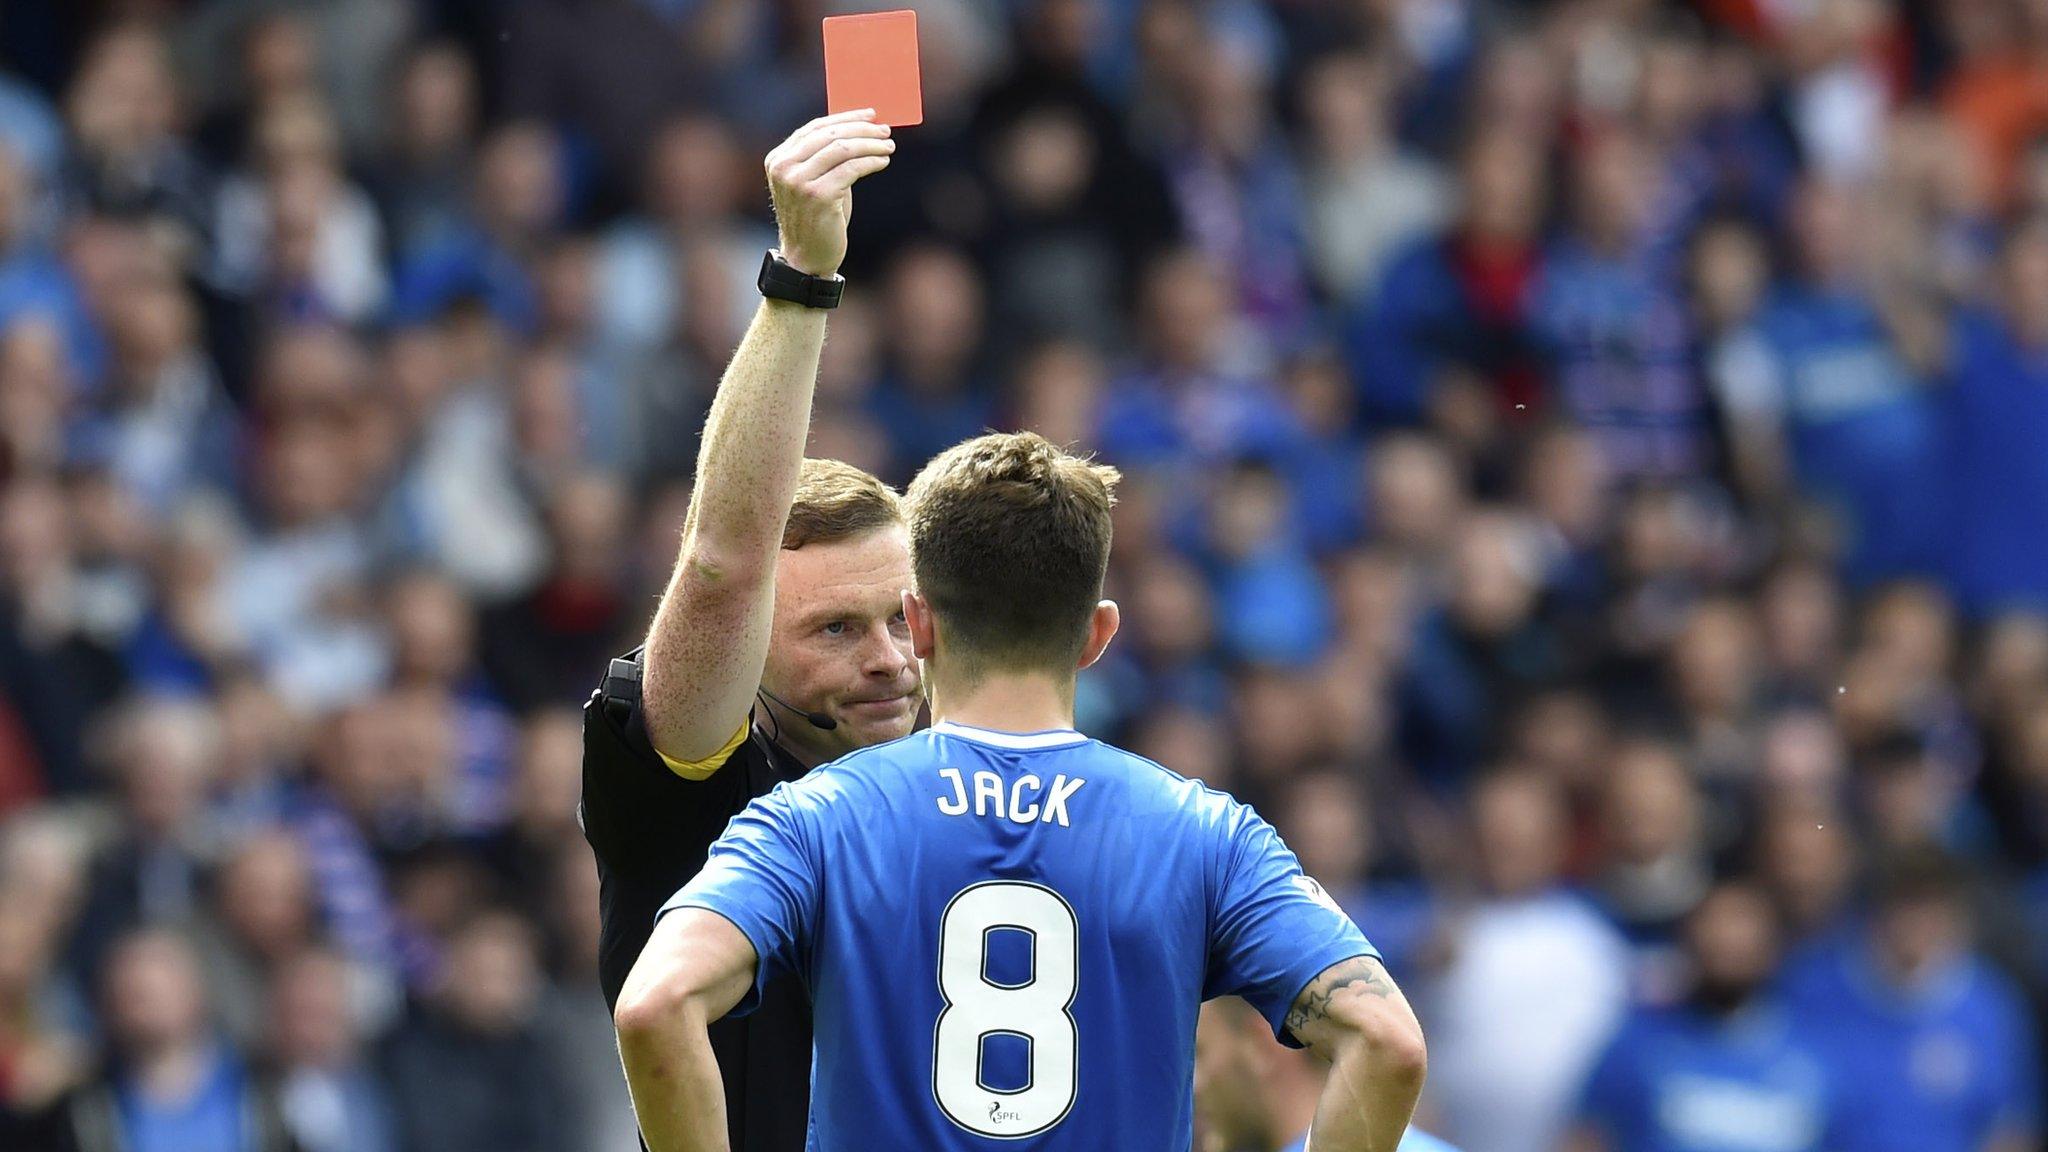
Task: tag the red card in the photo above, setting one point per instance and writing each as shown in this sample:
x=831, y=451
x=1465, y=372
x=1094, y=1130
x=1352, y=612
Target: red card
x=871, y=62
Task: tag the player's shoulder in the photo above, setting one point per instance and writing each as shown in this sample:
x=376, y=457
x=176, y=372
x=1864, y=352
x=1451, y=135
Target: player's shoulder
x=1153, y=782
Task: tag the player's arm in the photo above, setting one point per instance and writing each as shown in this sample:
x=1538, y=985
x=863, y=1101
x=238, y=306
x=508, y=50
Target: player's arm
x=1353, y=1016
x=695, y=968
x=709, y=638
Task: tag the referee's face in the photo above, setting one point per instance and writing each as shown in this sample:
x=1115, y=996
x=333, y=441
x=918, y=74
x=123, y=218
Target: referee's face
x=840, y=646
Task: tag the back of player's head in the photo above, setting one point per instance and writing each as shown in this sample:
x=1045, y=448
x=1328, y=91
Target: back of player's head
x=837, y=501
x=1009, y=537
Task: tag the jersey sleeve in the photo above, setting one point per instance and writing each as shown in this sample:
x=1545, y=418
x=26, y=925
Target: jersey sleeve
x=1274, y=929
x=762, y=877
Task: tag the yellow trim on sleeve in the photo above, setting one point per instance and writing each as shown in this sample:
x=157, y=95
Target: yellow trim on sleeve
x=699, y=769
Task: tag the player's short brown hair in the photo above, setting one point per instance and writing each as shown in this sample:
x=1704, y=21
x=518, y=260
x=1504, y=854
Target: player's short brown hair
x=1009, y=537
x=836, y=501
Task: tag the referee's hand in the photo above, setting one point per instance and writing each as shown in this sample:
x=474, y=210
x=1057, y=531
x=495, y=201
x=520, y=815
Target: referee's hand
x=810, y=181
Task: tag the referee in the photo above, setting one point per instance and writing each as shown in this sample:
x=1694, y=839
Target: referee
x=779, y=643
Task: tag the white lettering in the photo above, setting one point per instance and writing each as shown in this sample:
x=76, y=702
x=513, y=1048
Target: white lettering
x=988, y=790
x=1020, y=812
x=958, y=805
x=1028, y=800
x=1056, y=804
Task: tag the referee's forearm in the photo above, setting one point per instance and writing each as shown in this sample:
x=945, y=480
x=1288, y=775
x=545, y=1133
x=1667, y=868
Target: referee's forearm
x=673, y=1075
x=713, y=618
x=754, y=437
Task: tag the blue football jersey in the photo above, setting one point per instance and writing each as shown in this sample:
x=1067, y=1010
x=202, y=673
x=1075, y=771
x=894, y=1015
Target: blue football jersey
x=1007, y=938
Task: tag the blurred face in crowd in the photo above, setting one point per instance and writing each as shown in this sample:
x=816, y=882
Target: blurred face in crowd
x=166, y=754
x=1614, y=181
x=265, y=897
x=519, y=181
x=2026, y=281
x=550, y=779
x=1196, y=743
x=1730, y=271
x=1919, y=933
x=1518, y=821
x=1416, y=493
x=27, y=944
x=587, y=526
x=1279, y=727
x=1345, y=97
x=1732, y=939
x=35, y=538
x=124, y=100
x=934, y=316
x=1504, y=191
x=278, y=57
x=1906, y=796
x=1829, y=229
x=1800, y=611
x=1912, y=628
x=436, y=102
x=1565, y=482
x=1808, y=864
x=696, y=175
x=152, y=322
x=154, y=998
x=13, y=196
x=1713, y=662
x=1803, y=757
x=1328, y=827
x=1651, y=807
x=1562, y=733
x=1187, y=310
x=1493, y=590
x=2012, y=665
x=1170, y=615
x=311, y=1023
x=839, y=644
x=1044, y=161
x=1249, y=513
x=493, y=974
x=1057, y=391
x=432, y=627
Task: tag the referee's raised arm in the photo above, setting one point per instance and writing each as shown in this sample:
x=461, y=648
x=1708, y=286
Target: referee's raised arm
x=709, y=639
x=778, y=644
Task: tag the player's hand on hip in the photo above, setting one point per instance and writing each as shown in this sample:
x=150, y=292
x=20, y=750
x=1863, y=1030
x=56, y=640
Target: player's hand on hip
x=810, y=181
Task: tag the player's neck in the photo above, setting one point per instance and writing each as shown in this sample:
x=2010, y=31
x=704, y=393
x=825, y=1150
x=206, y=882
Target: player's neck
x=1005, y=703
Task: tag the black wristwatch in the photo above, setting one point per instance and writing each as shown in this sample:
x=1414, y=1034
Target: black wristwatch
x=780, y=281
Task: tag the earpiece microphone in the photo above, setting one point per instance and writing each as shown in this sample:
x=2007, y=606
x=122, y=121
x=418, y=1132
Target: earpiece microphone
x=819, y=720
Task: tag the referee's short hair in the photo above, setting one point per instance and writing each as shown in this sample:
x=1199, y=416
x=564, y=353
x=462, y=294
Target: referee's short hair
x=836, y=501
x=1009, y=537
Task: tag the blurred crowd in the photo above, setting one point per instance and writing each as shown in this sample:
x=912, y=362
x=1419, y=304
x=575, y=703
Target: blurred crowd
x=1587, y=484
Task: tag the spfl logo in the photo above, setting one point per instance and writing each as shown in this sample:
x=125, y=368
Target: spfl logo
x=996, y=1115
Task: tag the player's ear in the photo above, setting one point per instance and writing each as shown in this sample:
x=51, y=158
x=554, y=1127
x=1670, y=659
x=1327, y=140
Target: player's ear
x=1102, y=626
x=917, y=613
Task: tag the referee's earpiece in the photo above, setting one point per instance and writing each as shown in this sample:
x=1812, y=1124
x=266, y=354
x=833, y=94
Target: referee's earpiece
x=819, y=720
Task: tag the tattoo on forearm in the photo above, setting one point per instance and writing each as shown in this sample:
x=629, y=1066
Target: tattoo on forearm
x=1359, y=972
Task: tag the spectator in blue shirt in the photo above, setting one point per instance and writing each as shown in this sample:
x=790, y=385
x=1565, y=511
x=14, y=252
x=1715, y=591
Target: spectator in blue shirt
x=1723, y=1069
x=173, y=1085
x=1455, y=305
x=1998, y=406
x=1613, y=325
x=1930, y=1048
x=1826, y=383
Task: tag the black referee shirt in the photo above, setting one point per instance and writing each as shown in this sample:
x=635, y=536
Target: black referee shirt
x=651, y=830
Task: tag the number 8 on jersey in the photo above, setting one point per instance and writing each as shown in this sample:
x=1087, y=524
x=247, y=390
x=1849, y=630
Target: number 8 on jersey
x=978, y=1007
